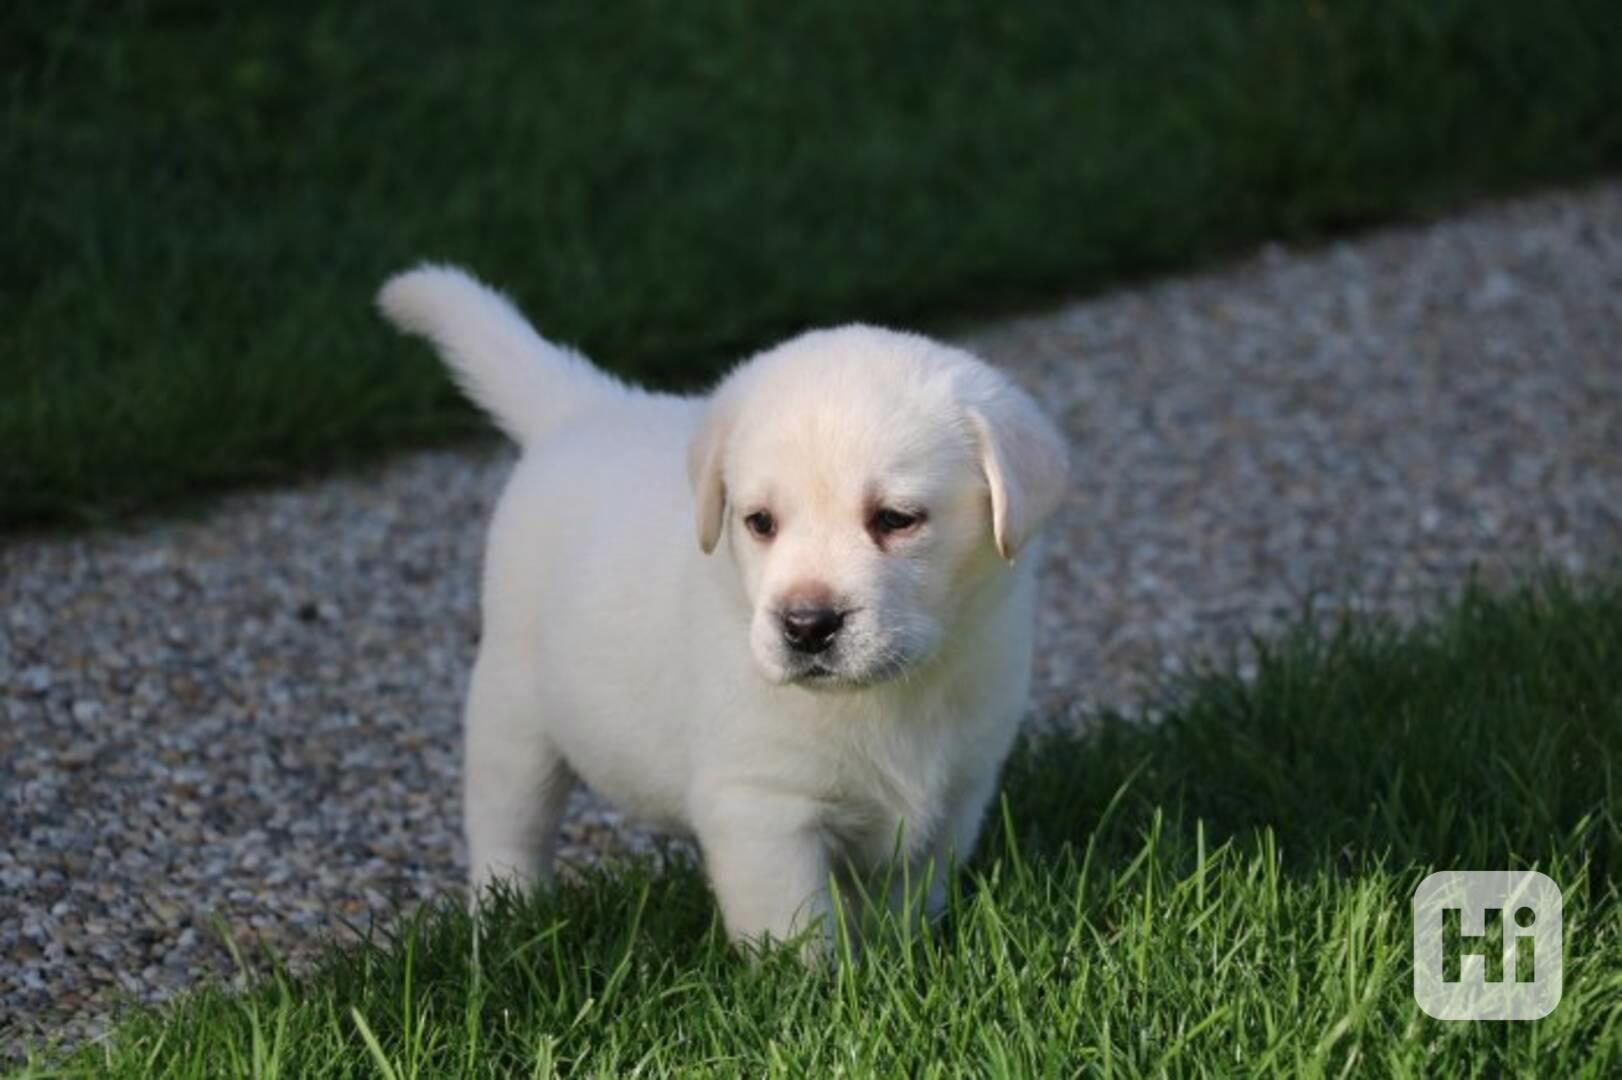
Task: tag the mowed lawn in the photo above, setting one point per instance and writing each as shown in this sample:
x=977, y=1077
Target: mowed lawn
x=199, y=199
x=1224, y=893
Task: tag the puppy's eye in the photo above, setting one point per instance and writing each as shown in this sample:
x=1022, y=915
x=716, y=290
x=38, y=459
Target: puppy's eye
x=889, y=522
x=761, y=524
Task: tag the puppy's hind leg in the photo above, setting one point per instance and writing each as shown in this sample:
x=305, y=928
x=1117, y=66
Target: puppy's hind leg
x=514, y=781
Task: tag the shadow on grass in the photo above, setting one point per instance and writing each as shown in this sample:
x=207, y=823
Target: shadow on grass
x=1491, y=732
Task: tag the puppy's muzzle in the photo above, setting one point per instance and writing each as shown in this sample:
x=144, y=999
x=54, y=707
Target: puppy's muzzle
x=811, y=630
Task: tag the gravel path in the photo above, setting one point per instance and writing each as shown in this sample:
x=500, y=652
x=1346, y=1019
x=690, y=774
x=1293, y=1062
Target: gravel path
x=251, y=716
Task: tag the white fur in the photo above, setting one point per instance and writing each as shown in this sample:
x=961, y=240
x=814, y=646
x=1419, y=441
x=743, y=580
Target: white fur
x=616, y=652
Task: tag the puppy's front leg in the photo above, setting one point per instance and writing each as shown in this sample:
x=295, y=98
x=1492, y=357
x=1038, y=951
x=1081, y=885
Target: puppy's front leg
x=930, y=874
x=768, y=863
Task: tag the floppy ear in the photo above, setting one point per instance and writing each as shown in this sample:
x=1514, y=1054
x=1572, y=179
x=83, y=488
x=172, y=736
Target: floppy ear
x=1027, y=464
x=704, y=471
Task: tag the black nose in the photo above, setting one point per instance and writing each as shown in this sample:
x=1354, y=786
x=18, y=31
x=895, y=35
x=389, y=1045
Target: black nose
x=811, y=629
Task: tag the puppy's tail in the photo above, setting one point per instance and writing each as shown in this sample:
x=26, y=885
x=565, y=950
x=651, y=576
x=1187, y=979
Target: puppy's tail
x=527, y=384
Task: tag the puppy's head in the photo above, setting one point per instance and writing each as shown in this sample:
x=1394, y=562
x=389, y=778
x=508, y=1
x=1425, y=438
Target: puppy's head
x=868, y=484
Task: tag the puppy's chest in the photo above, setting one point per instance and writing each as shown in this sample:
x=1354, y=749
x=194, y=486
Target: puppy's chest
x=891, y=800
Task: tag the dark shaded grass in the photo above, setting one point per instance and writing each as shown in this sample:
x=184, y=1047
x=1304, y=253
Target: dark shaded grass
x=1224, y=893
x=200, y=198
x=1488, y=733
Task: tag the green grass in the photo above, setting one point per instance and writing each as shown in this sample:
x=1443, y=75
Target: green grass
x=1226, y=893
x=200, y=198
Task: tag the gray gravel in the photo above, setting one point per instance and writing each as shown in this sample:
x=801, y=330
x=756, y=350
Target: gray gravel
x=249, y=720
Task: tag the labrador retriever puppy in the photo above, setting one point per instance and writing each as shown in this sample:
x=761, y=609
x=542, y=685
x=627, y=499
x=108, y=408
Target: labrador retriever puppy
x=792, y=619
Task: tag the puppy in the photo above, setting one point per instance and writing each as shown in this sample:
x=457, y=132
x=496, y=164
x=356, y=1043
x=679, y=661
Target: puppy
x=786, y=619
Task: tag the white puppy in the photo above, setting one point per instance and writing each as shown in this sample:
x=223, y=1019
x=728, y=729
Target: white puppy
x=837, y=687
